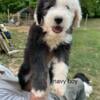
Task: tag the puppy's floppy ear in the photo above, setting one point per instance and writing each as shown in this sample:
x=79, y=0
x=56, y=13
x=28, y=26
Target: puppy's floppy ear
x=38, y=15
x=78, y=15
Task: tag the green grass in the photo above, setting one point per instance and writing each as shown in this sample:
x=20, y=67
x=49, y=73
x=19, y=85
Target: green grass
x=14, y=61
x=85, y=57
x=85, y=53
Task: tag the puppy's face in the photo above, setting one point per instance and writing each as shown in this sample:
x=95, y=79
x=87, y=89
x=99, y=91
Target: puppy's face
x=56, y=16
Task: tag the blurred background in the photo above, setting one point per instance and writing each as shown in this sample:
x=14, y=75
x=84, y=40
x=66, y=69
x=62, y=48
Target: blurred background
x=15, y=9
x=17, y=15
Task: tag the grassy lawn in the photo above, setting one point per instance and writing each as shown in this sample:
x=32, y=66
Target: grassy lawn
x=85, y=57
x=85, y=53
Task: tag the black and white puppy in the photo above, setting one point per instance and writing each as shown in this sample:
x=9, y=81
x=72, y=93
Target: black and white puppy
x=87, y=86
x=48, y=46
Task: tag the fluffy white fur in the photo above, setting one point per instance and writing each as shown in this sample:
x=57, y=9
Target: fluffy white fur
x=71, y=15
x=51, y=38
x=88, y=89
x=35, y=18
x=76, y=10
x=55, y=39
x=68, y=15
x=38, y=93
x=60, y=70
x=70, y=12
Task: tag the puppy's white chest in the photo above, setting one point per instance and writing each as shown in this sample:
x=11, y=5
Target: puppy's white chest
x=53, y=41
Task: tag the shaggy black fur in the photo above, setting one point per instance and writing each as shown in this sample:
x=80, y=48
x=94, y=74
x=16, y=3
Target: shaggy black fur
x=42, y=8
x=83, y=77
x=36, y=59
x=34, y=70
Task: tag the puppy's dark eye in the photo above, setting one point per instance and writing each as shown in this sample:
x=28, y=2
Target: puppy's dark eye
x=67, y=7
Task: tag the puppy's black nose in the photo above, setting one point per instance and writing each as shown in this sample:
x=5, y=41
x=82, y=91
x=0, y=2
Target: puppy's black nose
x=58, y=20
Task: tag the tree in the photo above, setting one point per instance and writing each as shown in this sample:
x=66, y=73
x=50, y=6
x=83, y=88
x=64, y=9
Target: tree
x=91, y=7
x=15, y=5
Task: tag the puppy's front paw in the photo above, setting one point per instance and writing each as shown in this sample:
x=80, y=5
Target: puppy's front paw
x=38, y=93
x=39, y=87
